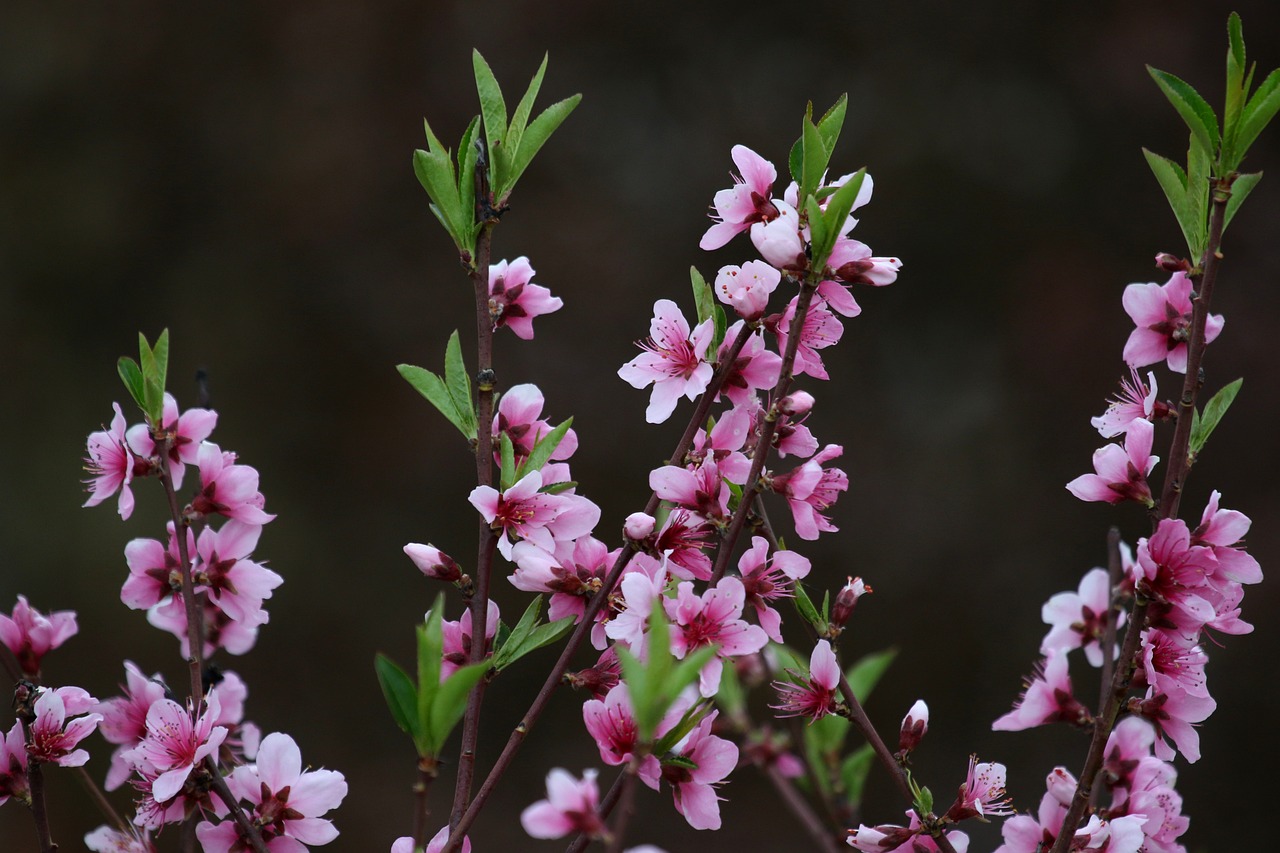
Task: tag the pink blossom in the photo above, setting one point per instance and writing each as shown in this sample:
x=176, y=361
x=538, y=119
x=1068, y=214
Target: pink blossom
x=1047, y=699
x=611, y=723
x=1154, y=802
x=285, y=801
x=220, y=630
x=155, y=571
x=1078, y=619
x=767, y=579
x=227, y=488
x=1222, y=530
x=571, y=807
x=847, y=600
x=53, y=736
x=702, y=490
x=514, y=300
x=1171, y=660
x=186, y=433
x=1136, y=401
x=820, y=330
x=982, y=793
x=682, y=539
x=818, y=697
x=639, y=592
x=435, y=845
x=13, y=765
x=779, y=240
x=110, y=465
x=31, y=635
x=1162, y=314
x=105, y=839
x=433, y=562
x=747, y=288
x=850, y=261
x=674, y=360
x=175, y=743
x=519, y=415
x=911, y=838
x=713, y=758
x=746, y=202
x=639, y=526
x=601, y=678
x=1130, y=742
x=810, y=489
x=755, y=367
x=457, y=640
x=1121, y=471
x=1175, y=715
x=712, y=619
x=524, y=511
x=124, y=719
x=236, y=584
x=1174, y=573
x=572, y=575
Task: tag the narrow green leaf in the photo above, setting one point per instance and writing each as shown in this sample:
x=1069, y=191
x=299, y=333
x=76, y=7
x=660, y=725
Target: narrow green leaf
x=826, y=605
x=131, y=375
x=528, y=620
x=458, y=384
x=719, y=327
x=822, y=238
x=1195, y=111
x=1235, y=91
x=795, y=160
x=804, y=606
x=1199, y=169
x=815, y=157
x=534, y=138
x=434, y=171
x=703, y=297
x=837, y=211
x=451, y=702
x=853, y=774
x=640, y=689
x=557, y=488
x=1258, y=113
x=832, y=122
x=500, y=637
x=1240, y=190
x=687, y=723
x=924, y=801
x=1174, y=183
x=520, y=118
x=546, y=446
x=864, y=674
x=430, y=652
x=1213, y=413
x=161, y=353
x=541, y=635
x=507, y=455
x=401, y=696
x=432, y=387
x=492, y=106
x=467, y=176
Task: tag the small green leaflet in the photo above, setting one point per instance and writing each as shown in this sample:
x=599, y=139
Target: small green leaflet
x=450, y=395
x=1204, y=425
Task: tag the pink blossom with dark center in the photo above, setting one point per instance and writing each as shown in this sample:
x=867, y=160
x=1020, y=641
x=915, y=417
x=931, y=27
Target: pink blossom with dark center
x=821, y=329
x=1121, y=472
x=54, y=736
x=175, y=743
x=110, y=465
x=982, y=794
x=227, y=488
x=220, y=630
x=1047, y=699
x=124, y=719
x=1078, y=619
x=571, y=576
x=572, y=806
x=1171, y=660
x=702, y=491
x=519, y=415
x=1175, y=715
x=236, y=584
x=13, y=765
x=514, y=300
x=31, y=635
x=1130, y=742
x=766, y=579
x=1153, y=800
x=187, y=432
x=682, y=539
x=524, y=511
x=674, y=360
x=1223, y=531
x=155, y=570
x=755, y=368
x=611, y=722
x=810, y=489
x=747, y=288
x=640, y=590
x=746, y=202
x=1136, y=401
x=851, y=262
x=457, y=640
x=1173, y=572
x=1162, y=314
x=714, y=618
x=814, y=696
x=713, y=759
x=780, y=240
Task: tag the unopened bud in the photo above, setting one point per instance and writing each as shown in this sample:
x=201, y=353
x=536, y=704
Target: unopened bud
x=796, y=405
x=914, y=726
x=1172, y=263
x=846, y=599
x=1061, y=785
x=433, y=562
x=639, y=526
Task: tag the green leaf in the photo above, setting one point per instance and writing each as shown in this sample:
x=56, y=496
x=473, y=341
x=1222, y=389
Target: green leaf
x=430, y=651
x=1213, y=413
x=546, y=446
x=864, y=674
x=401, y=696
x=467, y=178
x=507, y=455
x=837, y=211
x=524, y=109
x=1174, y=183
x=703, y=297
x=494, y=109
x=1258, y=113
x=1240, y=190
x=544, y=635
x=458, y=384
x=451, y=703
x=557, y=488
x=832, y=122
x=822, y=238
x=809, y=613
x=795, y=159
x=815, y=157
x=1235, y=91
x=853, y=774
x=720, y=326
x=433, y=388
x=161, y=353
x=534, y=138
x=152, y=390
x=1198, y=171
x=131, y=375
x=1195, y=111
x=528, y=620
x=434, y=170
x=687, y=723
x=924, y=800
x=730, y=696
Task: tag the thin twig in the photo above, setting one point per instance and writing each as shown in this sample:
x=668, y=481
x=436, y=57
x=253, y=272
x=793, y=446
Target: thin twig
x=101, y=801
x=626, y=805
x=195, y=619
x=248, y=830
x=428, y=769
x=35, y=781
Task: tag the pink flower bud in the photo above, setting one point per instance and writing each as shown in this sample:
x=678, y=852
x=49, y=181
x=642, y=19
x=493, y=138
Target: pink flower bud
x=1061, y=785
x=914, y=726
x=433, y=562
x=796, y=405
x=639, y=525
x=846, y=599
x=1172, y=263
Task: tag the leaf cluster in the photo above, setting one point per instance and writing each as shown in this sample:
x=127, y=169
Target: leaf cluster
x=145, y=378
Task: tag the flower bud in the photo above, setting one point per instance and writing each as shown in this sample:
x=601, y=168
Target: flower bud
x=914, y=726
x=1172, y=263
x=796, y=405
x=1061, y=785
x=639, y=526
x=433, y=562
x=846, y=599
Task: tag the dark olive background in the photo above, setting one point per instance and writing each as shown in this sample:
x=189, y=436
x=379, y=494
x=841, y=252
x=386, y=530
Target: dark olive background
x=240, y=173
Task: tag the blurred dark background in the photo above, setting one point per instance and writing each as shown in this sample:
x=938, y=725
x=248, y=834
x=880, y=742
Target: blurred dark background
x=240, y=173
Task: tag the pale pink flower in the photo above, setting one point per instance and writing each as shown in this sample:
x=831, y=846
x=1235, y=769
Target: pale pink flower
x=714, y=618
x=519, y=415
x=818, y=697
x=821, y=329
x=766, y=579
x=747, y=288
x=1162, y=314
x=514, y=300
x=220, y=630
x=810, y=489
x=1079, y=618
x=175, y=743
x=13, y=765
x=124, y=719
x=457, y=640
x=1121, y=471
x=1175, y=715
x=779, y=240
x=435, y=845
x=236, y=584
x=31, y=635
x=571, y=807
x=713, y=758
x=286, y=802
x=674, y=360
x=851, y=262
x=227, y=488
x=982, y=793
x=155, y=570
x=746, y=202
x=433, y=562
x=53, y=736
x=640, y=590
x=110, y=464
x=106, y=839
x=1047, y=699
x=1130, y=742
x=572, y=575
x=187, y=431
x=611, y=722
x=911, y=838
x=702, y=490
x=524, y=511
x=755, y=368
x=639, y=526
x=1136, y=401
x=1154, y=802
x=1222, y=530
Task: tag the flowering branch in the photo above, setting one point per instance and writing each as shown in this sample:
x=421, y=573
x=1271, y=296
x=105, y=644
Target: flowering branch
x=195, y=619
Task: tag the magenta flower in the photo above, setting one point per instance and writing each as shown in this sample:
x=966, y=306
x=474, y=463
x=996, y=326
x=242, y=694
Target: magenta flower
x=124, y=720
x=13, y=765
x=433, y=562
x=519, y=415
x=702, y=491
x=525, y=512
x=1176, y=573
x=571, y=807
x=286, y=802
x=1121, y=471
x=54, y=737
x=810, y=489
x=611, y=723
x=821, y=330
x=714, y=618
x=31, y=635
x=1162, y=314
x=457, y=641
x=1078, y=618
x=747, y=288
x=818, y=697
x=228, y=488
x=1172, y=661
x=110, y=465
x=755, y=368
x=236, y=584
x=746, y=202
x=674, y=360
x=187, y=431
x=682, y=539
x=1136, y=401
x=570, y=579
x=694, y=788
x=982, y=793
x=154, y=569
x=767, y=579
x=1047, y=699
x=175, y=744
x=1175, y=715
x=514, y=300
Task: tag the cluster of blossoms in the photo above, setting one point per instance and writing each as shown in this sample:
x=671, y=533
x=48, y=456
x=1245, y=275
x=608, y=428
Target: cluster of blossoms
x=1190, y=581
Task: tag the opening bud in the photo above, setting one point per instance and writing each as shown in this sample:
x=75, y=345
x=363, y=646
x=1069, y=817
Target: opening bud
x=796, y=405
x=433, y=562
x=1172, y=263
x=914, y=726
x=639, y=526
x=846, y=600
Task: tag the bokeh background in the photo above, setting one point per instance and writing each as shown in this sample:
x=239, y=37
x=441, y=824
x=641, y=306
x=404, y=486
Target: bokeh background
x=240, y=173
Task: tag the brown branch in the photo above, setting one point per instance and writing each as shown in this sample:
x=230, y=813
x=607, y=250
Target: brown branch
x=195, y=619
x=428, y=769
